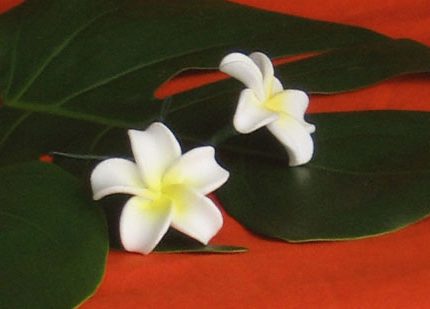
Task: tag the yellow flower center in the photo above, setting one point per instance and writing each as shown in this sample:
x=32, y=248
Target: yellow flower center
x=274, y=103
x=170, y=190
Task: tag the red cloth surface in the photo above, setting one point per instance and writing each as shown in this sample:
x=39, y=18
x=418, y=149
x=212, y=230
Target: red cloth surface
x=391, y=271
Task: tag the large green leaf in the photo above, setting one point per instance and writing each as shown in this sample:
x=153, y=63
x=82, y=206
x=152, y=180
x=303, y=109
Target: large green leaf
x=53, y=240
x=201, y=112
x=87, y=67
x=72, y=86
x=71, y=56
x=370, y=175
x=212, y=107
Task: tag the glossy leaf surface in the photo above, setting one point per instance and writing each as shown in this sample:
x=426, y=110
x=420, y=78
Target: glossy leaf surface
x=370, y=175
x=74, y=86
x=88, y=67
x=54, y=241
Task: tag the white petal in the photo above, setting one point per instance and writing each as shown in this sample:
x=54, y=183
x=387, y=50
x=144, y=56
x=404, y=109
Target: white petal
x=245, y=70
x=194, y=214
x=143, y=223
x=154, y=149
x=115, y=176
x=197, y=169
x=295, y=138
x=276, y=86
x=264, y=64
x=293, y=103
x=250, y=114
x=309, y=127
x=272, y=85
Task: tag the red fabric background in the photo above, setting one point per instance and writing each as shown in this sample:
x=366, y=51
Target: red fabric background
x=391, y=271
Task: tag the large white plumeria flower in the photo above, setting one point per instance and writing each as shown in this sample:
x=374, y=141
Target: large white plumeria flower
x=266, y=103
x=168, y=189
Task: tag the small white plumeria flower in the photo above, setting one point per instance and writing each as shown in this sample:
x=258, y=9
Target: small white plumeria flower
x=169, y=189
x=266, y=103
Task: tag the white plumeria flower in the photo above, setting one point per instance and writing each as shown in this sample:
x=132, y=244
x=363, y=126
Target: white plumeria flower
x=169, y=189
x=266, y=103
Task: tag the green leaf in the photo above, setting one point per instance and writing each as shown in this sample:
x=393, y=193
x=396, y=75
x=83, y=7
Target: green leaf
x=370, y=176
x=25, y=136
x=356, y=67
x=175, y=242
x=212, y=107
x=98, y=71
x=111, y=48
x=207, y=108
x=72, y=86
x=53, y=240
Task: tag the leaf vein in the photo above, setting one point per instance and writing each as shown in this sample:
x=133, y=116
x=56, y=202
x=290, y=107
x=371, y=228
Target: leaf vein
x=57, y=51
x=23, y=220
x=13, y=62
x=12, y=128
x=134, y=69
x=48, y=109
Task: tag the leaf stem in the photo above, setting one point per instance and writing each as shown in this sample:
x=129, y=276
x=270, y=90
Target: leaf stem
x=76, y=156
